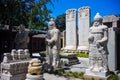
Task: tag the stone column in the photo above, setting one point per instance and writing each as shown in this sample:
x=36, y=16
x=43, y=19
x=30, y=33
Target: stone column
x=83, y=28
x=71, y=37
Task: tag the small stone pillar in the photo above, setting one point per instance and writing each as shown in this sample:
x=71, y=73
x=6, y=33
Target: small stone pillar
x=34, y=70
x=27, y=54
x=14, y=54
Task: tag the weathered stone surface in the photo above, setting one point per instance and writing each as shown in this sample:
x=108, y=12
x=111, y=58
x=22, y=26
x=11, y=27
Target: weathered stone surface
x=83, y=28
x=14, y=70
x=15, y=65
x=34, y=70
x=71, y=35
x=68, y=55
x=35, y=67
x=91, y=77
x=47, y=76
x=96, y=73
x=34, y=77
x=53, y=45
x=113, y=21
x=68, y=59
x=98, y=37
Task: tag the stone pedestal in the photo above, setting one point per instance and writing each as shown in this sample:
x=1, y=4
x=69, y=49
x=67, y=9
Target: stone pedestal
x=68, y=59
x=94, y=75
x=13, y=77
x=34, y=77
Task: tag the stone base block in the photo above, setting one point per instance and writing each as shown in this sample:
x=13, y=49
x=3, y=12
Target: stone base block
x=13, y=77
x=94, y=75
x=34, y=77
x=83, y=49
x=68, y=59
x=68, y=55
x=91, y=77
x=70, y=48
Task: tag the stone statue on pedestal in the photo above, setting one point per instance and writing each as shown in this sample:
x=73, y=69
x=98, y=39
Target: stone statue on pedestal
x=53, y=45
x=98, y=37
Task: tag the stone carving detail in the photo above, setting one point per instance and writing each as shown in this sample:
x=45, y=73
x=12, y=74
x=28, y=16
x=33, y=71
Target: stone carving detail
x=35, y=67
x=34, y=70
x=71, y=14
x=16, y=55
x=53, y=45
x=15, y=64
x=83, y=12
x=98, y=37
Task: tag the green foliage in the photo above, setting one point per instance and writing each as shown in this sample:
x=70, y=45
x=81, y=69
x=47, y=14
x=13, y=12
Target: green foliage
x=43, y=53
x=31, y=13
x=113, y=77
x=60, y=22
x=79, y=54
x=39, y=15
x=14, y=12
x=61, y=51
x=84, y=55
x=79, y=75
x=73, y=74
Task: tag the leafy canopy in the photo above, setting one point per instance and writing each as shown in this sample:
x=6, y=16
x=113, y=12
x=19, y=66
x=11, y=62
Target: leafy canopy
x=31, y=13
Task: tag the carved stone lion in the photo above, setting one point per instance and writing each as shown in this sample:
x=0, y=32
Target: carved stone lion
x=35, y=67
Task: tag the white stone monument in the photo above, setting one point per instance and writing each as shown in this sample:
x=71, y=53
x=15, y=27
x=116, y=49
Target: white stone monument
x=98, y=61
x=83, y=28
x=71, y=36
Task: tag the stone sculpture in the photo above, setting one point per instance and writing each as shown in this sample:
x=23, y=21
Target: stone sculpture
x=22, y=39
x=98, y=37
x=53, y=45
x=35, y=67
x=34, y=70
